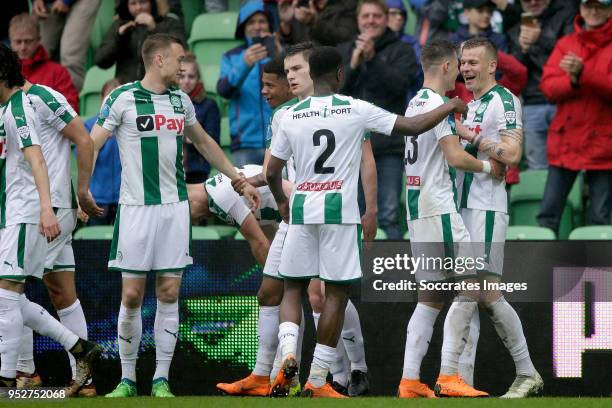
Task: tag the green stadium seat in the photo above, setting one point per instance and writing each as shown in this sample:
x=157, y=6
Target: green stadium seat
x=529, y=233
x=92, y=86
x=97, y=232
x=211, y=51
x=238, y=236
x=191, y=9
x=411, y=19
x=380, y=234
x=104, y=19
x=407, y=236
x=210, y=76
x=234, y=5
x=226, y=138
x=212, y=35
x=593, y=232
x=204, y=233
x=224, y=231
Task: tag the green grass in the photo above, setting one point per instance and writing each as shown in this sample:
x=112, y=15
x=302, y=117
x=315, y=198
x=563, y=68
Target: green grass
x=229, y=402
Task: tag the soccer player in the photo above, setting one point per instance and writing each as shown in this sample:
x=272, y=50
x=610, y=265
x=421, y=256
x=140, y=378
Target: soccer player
x=431, y=205
x=27, y=223
x=152, y=230
x=324, y=133
x=58, y=127
x=494, y=129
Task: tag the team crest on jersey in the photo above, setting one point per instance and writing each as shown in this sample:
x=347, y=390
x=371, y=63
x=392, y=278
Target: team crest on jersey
x=482, y=108
x=177, y=104
x=59, y=112
x=105, y=111
x=23, y=132
x=510, y=117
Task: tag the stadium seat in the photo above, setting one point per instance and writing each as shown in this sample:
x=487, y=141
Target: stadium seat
x=212, y=35
x=226, y=138
x=191, y=8
x=103, y=21
x=411, y=19
x=97, y=232
x=593, y=232
x=92, y=86
x=210, y=76
x=234, y=5
x=204, y=233
x=529, y=233
x=525, y=199
x=407, y=235
x=224, y=231
x=380, y=234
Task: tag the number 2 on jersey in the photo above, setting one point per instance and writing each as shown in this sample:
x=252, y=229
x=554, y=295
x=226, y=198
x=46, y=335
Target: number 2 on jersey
x=331, y=146
x=412, y=156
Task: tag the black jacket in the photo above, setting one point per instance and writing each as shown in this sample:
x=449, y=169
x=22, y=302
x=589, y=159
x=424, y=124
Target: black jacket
x=556, y=21
x=383, y=81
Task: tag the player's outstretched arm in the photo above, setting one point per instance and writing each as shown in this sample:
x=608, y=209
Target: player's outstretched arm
x=369, y=182
x=274, y=176
x=99, y=136
x=77, y=134
x=258, y=242
x=458, y=158
x=421, y=123
x=508, y=150
x=49, y=227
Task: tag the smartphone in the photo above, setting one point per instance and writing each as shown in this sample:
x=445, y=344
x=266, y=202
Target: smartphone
x=529, y=19
x=267, y=42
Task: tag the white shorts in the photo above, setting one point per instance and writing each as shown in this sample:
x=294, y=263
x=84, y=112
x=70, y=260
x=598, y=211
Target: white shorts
x=60, y=256
x=151, y=238
x=438, y=238
x=273, y=259
x=488, y=232
x=330, y=252
x=22, y=252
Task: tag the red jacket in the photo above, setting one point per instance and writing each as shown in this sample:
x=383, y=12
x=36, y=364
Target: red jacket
x=580, y=135
x=41, y=70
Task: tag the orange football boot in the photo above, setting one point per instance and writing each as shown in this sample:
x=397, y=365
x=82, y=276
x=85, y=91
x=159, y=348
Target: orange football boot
x=282, y=383
x=454, y=386
x=253, y=385
x=325, y=391
x=414, y=389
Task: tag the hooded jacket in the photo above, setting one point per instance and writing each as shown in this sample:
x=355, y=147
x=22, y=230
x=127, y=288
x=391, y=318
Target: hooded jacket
x=249, y=113
x=383, y=81
x=41, y=70
x=556, y=21
x=580, y=135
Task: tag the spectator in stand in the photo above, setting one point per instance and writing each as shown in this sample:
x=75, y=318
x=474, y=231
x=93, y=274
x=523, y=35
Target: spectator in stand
x=325, y=22
x=137, y=19
x=240, y=82
x=380, y=69
x=106, y=178
x=578, y=79
x=436, y=18
x=65, y=27
x=36, y=66
x=511, y=11
x=207, y=113
x=397, y=18
x=531, y=42
x=478, y=14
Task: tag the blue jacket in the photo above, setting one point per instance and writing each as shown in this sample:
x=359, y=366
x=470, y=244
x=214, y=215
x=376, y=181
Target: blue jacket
x=248, y=111
x=207, y=113
x=463, y=34
x=106, y=178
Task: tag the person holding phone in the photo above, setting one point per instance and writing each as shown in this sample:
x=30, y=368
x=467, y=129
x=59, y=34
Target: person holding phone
x=240, y=82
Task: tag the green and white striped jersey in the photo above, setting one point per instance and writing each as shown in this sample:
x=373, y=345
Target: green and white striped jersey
x=19, y=200
x=325, y=136
x=496, y=110
x=430, y=188
x=233, y=209
x=275, y=121
x=149, y=128
x=53, y=113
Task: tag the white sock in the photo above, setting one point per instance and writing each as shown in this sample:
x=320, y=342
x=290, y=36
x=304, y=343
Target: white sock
x=166, y=334
x=11, y=324
x=288, y=333
x=322, y=359
x=267, y=329
x=278, y=361
x=39, y=320
x=73, y=319
x=25, y=363
x=418, y=335
x=315, y=317
x=456, y=331
x=129, y=333
x=468, y=357
x=353, y=339
x=298, y=350
x=509, y=328
x=341, y=367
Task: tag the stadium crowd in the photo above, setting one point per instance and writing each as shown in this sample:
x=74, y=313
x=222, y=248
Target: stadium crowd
x=550, y=55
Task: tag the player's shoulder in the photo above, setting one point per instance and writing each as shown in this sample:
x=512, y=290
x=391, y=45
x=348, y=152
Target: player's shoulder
x=284, y=106
x=504, y=97
x=19, y=107
x=121, y=93
x=45, y=97
x=426, y=99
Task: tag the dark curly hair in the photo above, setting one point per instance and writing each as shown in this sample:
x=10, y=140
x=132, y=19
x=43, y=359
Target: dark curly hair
x=10, y=68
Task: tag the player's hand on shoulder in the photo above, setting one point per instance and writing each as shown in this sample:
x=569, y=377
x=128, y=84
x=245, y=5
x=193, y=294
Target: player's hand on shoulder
x=253, y=197
x=239, y=183
x=49, y=226
x=498, y=169
x=458, y=105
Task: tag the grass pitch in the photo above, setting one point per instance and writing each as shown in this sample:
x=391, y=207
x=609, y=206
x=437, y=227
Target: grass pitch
x=230, y=402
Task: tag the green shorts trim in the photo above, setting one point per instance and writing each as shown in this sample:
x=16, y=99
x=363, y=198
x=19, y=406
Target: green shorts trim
x=298, y=277
x=57, y=268
x=341, y=281
x=265, y=275
x=117, y=269
x=19, y=277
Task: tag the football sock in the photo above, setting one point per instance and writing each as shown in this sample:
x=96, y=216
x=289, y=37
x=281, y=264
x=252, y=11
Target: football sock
x=10, y=332
x=322, y=359
x=73, y=319
x=341, y=366
x=129, y=330
x=166, y=330
x=352, y=338
x=39, y=320
x=509, y=328
x=468, y=357
x=456, y=331
x=288, y=333
x=298, y=350
x=418, y=335
x=25, y=364
x=268, y=339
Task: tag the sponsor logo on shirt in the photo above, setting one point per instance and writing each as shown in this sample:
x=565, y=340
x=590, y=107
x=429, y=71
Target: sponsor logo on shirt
x=59, y=112
x=510, y=117
x=482, y=108
x=105, y=111
x=23, y=132
x=325, y=186
x=413, y=180
x=147, y=123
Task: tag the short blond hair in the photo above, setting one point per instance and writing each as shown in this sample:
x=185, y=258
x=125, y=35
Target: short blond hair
x=24, y=21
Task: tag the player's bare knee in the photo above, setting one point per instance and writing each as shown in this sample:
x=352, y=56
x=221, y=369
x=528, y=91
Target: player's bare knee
x=267, y=297
x=131, y=298
x=168, y=295
x=316, y=301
